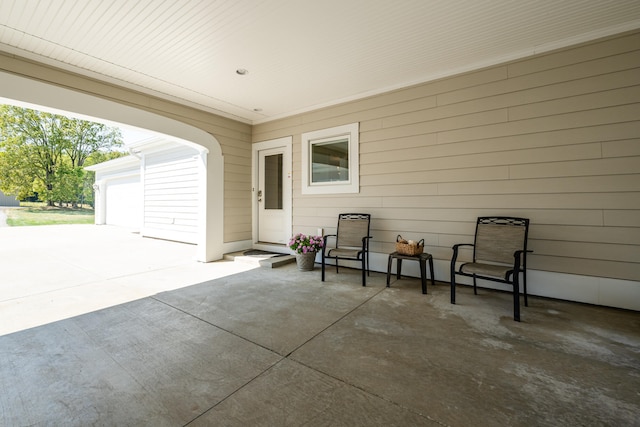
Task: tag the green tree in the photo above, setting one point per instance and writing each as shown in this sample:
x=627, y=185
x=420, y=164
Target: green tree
x=45, y=153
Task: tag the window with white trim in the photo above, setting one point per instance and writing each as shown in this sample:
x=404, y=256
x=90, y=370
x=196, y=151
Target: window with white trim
x=330, y=160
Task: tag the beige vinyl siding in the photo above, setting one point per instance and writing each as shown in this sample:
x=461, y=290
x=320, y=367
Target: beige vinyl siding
x=555, y=138
x=234, y=136
x=237, y=191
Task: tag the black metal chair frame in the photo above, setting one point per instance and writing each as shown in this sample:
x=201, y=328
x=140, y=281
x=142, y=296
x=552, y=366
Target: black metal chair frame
x=355, y=250
x=509, y=274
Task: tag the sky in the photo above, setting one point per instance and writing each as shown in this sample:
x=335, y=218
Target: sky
x=130, y=135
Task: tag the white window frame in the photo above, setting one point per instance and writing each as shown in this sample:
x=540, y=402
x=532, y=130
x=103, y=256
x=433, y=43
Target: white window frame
x=351, y=132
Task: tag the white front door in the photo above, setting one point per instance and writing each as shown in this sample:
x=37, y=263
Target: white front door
x=273, y=192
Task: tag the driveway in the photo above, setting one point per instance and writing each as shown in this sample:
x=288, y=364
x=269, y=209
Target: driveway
x=48, y=273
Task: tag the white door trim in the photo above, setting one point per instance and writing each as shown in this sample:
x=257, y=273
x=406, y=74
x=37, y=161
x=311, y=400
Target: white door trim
x=285, y=143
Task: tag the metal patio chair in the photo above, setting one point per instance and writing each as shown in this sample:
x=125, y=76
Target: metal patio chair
x=351, y=242
x=499, y=255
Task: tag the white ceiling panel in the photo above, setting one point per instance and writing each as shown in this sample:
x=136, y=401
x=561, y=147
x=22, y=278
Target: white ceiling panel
x=300, y=54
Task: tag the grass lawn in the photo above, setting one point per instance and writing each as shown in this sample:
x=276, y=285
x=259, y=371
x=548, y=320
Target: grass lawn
x=37, y=214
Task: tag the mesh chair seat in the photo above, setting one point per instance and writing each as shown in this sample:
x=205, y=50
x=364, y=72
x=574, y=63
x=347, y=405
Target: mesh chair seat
x=480, y=269
x=343, y=253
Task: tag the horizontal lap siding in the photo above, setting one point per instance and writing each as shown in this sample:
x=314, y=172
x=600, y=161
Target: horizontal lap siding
x=237, y=191
x=171, y=201
x=555, y=138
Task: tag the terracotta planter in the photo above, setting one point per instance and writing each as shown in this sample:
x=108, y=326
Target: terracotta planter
x=306, y=261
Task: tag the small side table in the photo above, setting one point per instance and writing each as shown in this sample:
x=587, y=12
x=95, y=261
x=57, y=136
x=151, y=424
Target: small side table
x=422, y=259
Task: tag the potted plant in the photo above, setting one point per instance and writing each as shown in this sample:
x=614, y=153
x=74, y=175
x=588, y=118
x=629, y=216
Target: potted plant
x=305, y=248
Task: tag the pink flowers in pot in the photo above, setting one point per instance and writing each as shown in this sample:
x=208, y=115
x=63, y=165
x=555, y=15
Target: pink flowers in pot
x=303, y=244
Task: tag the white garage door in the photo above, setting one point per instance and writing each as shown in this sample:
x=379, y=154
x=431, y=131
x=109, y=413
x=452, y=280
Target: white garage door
x=171, y=195
x=124, y=202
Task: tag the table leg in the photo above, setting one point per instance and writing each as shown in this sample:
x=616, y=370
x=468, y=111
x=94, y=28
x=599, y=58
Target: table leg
x=423, y=275
x=389, y=269
x=433, y=278
x=399, y=268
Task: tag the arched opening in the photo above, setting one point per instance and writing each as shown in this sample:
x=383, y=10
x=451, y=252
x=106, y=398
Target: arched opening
x=31, y=93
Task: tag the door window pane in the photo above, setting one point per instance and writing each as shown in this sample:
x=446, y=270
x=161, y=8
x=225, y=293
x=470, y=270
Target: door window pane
x=273, y=181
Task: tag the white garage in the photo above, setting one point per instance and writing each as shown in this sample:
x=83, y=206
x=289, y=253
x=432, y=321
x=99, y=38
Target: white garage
x=123, y=196
x=171, y=194
x=156, y=190
x=118, y=192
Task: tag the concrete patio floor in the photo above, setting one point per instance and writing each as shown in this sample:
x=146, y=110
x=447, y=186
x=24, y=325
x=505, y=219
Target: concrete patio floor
x=166, y=341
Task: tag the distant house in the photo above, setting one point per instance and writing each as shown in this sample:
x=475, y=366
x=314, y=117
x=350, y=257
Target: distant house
x=155, y=190
x=8, y=200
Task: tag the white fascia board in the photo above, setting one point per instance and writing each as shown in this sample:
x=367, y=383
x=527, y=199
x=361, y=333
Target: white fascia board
x=115, y=164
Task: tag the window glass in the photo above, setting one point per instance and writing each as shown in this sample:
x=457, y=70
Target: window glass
x=330, y=161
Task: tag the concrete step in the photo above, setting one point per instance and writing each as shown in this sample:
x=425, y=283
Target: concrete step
x=268, y=260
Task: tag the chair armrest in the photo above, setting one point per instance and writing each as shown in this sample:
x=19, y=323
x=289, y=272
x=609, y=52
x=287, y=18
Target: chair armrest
x=520, y=253
x=324, y=241
x=455, y=251
x=455, y=247
x=520, y=258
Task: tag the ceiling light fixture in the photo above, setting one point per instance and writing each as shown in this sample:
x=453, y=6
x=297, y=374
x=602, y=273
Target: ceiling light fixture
x=241, y=71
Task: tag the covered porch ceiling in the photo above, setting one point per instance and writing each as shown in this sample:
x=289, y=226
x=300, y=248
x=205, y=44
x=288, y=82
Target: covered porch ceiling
x=257, y=61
